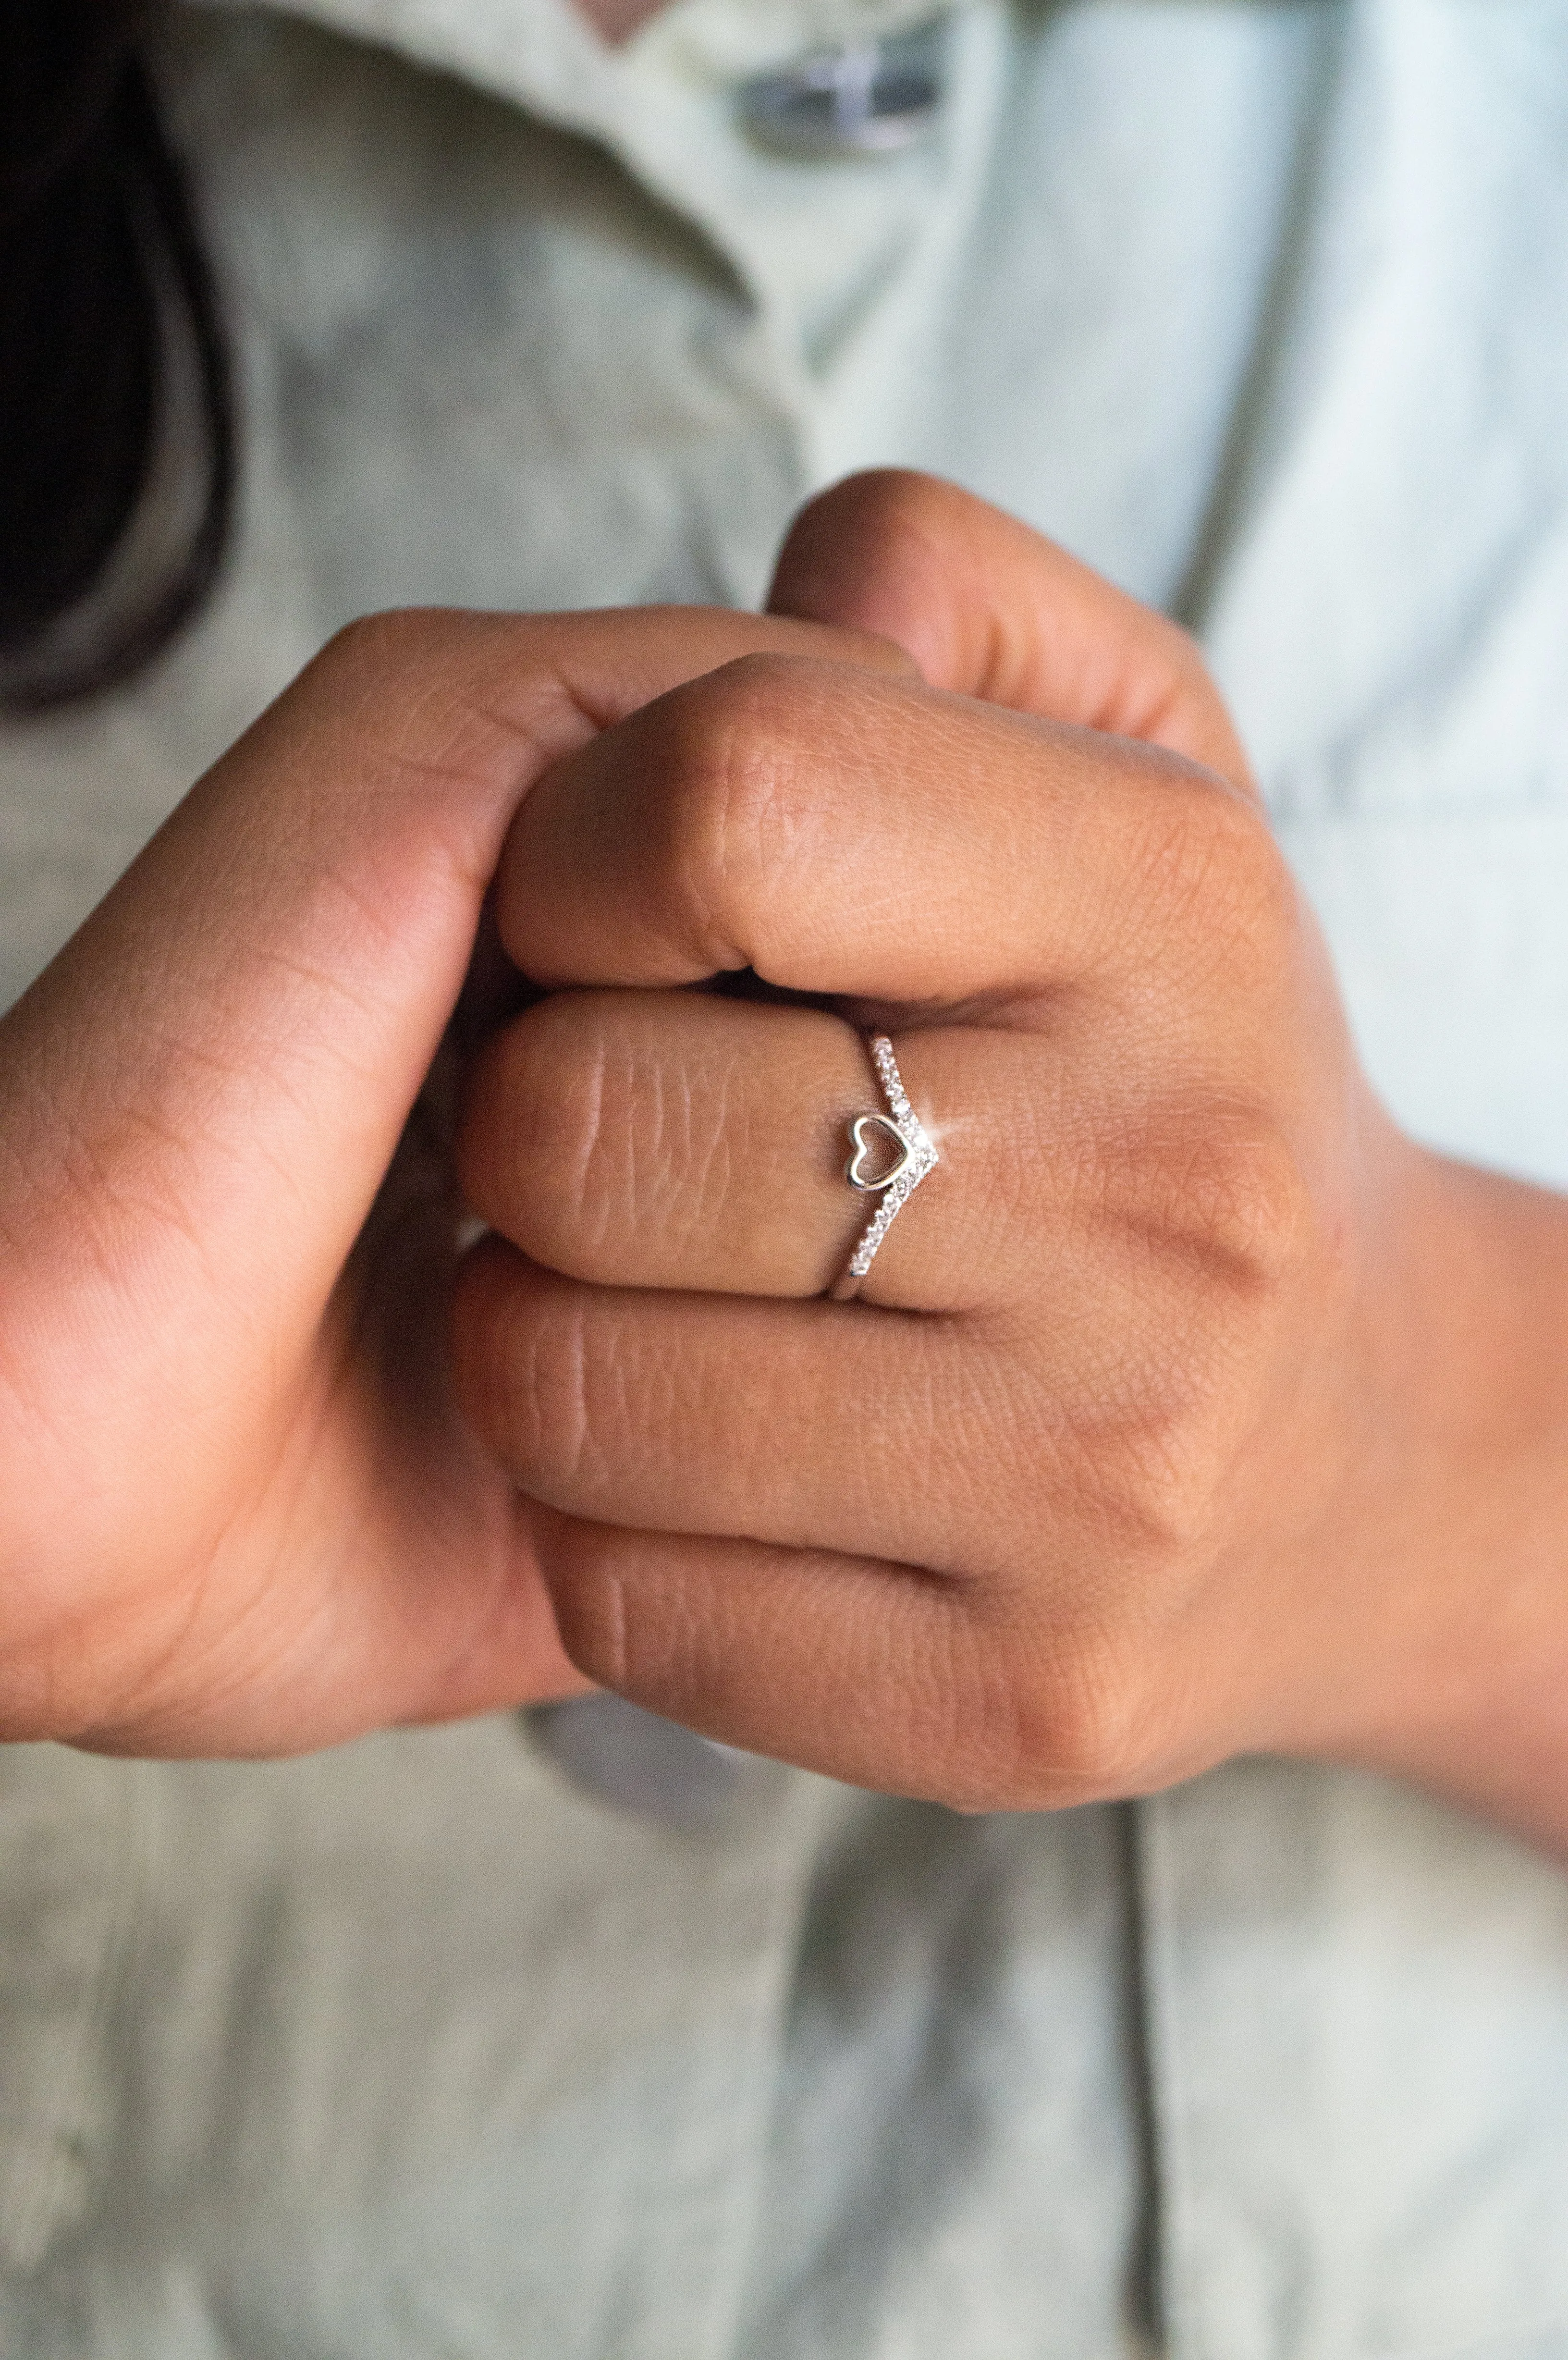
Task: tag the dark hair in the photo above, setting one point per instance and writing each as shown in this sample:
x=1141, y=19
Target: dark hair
x=116, y=428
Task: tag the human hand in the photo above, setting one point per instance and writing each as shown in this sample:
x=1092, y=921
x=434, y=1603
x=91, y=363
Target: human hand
x=1142, y=1446
x=238, y=1513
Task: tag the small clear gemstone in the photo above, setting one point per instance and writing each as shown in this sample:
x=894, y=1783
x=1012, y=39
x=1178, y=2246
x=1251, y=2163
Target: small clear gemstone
x=922, y=1157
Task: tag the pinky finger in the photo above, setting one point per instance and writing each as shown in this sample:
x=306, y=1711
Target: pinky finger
x=882, y=1676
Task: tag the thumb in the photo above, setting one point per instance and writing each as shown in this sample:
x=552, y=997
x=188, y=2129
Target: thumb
x=990, y=609
x=233, y=1040
x=199, y=1098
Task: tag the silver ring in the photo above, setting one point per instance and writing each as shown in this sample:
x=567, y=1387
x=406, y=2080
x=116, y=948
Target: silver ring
x=900, y=1130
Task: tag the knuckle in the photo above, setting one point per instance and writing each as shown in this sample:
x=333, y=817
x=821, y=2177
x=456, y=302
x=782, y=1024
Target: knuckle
x=1219, y=1186
x=1065, y=1716
x=420, y=685
x=1088, y=1729
x=591, y=1603
x=587, y=1135
x=627, y=1617
x=626, y=1159
x=524, y=1377
x=366, y=644
x=397, y=645
x=738, y=811
x=1037, y=1689
x=1250, y=1205
x=1144, y=1464
x=1206, y=858
x=542, y=1155
x=551, y=1407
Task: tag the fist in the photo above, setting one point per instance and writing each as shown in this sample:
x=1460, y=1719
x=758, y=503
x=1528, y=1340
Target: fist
x=1078, y=1496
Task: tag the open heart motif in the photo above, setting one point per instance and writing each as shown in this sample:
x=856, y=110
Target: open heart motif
x=858, y=1169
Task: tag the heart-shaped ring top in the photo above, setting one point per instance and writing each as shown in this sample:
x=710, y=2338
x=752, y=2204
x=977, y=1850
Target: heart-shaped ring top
x=855, y=1171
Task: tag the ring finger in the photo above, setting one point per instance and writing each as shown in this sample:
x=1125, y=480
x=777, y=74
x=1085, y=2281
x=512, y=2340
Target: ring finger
x=672, y=1140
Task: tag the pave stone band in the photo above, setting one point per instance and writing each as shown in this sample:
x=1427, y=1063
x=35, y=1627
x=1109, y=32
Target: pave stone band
x=916, y=1157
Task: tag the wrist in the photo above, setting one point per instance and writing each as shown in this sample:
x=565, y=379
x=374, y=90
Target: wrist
x=1457, y=1529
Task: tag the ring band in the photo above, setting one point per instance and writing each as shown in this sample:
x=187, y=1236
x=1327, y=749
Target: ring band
x=902, y=1128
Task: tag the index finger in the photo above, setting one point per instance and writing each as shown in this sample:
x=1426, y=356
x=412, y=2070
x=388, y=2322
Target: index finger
x=847, y=832
x=989, y=607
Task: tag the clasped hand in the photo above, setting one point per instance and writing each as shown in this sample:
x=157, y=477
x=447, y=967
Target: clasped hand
x=1138, y=1448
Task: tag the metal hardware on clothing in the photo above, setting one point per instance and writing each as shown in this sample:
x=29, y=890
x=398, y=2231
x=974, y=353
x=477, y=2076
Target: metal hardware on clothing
x=864, y=98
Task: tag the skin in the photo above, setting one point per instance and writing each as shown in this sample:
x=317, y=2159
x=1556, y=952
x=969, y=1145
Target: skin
x=1188, y=1409
x=617, y=20
x=238, y=1511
